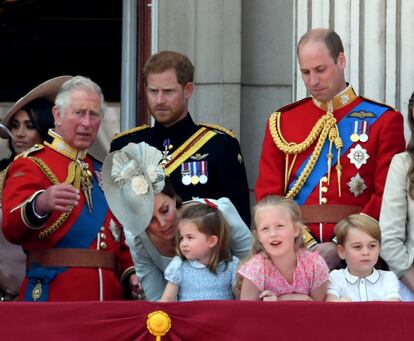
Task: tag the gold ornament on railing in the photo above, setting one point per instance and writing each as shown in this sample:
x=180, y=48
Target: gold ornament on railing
x=158, y=324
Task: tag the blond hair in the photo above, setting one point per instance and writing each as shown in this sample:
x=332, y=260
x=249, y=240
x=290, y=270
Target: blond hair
x=361, y=222
x=294, y=212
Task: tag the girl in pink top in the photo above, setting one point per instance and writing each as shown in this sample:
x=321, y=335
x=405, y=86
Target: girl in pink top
x=280, y=268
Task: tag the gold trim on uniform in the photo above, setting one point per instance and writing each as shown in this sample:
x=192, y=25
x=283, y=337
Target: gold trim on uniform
x=35, y=148
x=339, y=101
x=324, y=129
x=130, y=131
x=59, y=145
x=188, y=148
x=219, y=128
x=22, y=207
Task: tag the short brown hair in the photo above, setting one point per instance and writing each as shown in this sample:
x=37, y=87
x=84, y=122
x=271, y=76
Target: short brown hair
x=329, y=37
x=166, y=60
x=211, y=222
x=361, y=222
x=294, y=212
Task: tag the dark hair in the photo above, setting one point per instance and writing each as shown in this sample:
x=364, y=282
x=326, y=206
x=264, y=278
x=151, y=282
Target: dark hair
x=169, y=191
x=410, y=146
x=40, y=115
x=165, y=60
x=330, y=38
x=211, y=222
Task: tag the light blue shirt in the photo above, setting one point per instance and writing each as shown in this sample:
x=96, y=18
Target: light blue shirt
x=197, y=282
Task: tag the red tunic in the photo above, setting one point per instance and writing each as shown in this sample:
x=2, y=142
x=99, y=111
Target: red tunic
x=24, y=178
x=386, y=138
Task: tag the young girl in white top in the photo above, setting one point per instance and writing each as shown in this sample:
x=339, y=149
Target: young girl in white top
x=280, y=268
x=359, y=243
x=204, y=269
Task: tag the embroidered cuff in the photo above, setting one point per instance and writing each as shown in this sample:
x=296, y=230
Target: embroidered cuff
x=30, y=217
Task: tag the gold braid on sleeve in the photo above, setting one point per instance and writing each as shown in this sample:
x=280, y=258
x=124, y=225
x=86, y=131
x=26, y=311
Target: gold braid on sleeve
x=72, y=178
x=319, y=132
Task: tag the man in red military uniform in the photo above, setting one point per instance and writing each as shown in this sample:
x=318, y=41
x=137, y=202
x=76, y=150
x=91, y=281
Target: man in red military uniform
x=304, y=140
x=54, y=207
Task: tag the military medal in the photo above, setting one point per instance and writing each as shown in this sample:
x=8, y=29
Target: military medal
x=357, y=185
x=166, y=157
x=354, y=136
x=364, y=136
x=86, y=182
x=203, y=177
x=185, y=174
x=194, y=173
x=358, y=156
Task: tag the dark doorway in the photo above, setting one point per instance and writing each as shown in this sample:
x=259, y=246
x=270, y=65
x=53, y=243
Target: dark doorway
x=40, y=39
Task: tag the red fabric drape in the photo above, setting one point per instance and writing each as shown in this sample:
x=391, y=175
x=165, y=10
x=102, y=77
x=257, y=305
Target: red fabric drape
x=208, y=320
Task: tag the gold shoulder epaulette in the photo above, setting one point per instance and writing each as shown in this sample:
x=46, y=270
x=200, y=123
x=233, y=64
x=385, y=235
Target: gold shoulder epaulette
x=219, y=128
x=31, y=150
x=130, y=131
x=378, y=102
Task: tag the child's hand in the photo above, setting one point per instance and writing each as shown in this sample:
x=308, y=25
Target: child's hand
x=267, y=295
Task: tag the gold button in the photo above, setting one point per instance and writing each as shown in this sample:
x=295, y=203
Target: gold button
x=102, y=245
x=324, y=200
x=324, y=179
x=324, y=189
x=103, y=236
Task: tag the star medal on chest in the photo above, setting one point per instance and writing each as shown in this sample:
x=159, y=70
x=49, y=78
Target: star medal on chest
x=358, y=156
x=357, y=185
x=86, y=182
x=166, y=157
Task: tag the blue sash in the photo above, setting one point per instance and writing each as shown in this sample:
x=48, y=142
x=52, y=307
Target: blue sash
x=81, y=235
x=345, y=127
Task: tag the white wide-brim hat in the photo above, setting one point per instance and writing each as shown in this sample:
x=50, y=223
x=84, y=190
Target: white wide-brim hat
x=47, y=90
x=130, y=177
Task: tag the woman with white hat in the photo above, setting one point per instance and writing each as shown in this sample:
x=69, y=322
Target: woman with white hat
x=148, y=208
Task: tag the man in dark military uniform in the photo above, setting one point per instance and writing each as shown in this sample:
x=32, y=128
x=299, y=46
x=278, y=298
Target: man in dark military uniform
x=201, y=160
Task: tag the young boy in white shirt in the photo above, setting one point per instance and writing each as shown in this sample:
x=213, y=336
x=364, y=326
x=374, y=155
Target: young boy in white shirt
x=359, y=244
